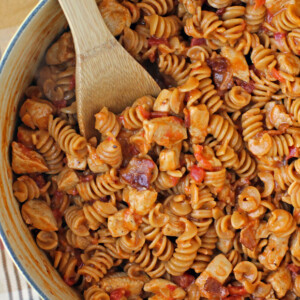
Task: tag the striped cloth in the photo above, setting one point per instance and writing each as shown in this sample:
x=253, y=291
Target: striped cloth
x=13, y=285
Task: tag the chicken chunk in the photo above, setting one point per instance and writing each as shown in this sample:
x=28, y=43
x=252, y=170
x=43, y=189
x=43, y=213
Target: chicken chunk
x=67, y=179
x=115, y=15
x=25, y=160
x=199, y=118
x=140, y=201
x=165, y=131
x=38, y=214
x=281, y=281
x=169, y=159
x=35, y=113
x=274, y=252
x=24, y=136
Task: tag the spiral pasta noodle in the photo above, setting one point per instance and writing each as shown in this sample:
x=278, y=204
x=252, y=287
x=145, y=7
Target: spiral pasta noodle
x=67, y=138
x=189, y=194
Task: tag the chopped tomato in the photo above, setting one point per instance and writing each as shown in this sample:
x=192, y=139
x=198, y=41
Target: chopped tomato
x=184, y=281
x=293, y=152
x=277, y=75
x=197, y=174
x=259, y=3
x=187, y=118
x=201, y=158
x=198, y=42
x=153, y=41
x=72, y=83
x=60, y=103
x=294, y=269
x=279, y=36
x=221, y=11
x=69, y=281
x=39, y=179
x=237, y=290
x=57, y=215
x=86, y=178
x=158, y=114
x=145, y=113
x=118, y=294
x=269, y=16
x=233, y=298
x=171, y=287
x=152, y=57
x=174, y=180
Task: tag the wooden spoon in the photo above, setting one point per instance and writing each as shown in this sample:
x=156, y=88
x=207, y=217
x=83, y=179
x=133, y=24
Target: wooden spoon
x=106, y=74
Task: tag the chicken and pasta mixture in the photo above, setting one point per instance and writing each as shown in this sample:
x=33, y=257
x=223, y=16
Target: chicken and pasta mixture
x=194, y=194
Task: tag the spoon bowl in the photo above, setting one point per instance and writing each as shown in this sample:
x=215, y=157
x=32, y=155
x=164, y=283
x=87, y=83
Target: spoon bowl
x=106, y=74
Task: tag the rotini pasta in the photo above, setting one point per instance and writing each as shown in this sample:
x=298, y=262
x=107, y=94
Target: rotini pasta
x=191, y=194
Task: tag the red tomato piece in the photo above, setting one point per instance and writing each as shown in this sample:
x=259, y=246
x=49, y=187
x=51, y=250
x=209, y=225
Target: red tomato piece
x=145, y=113
x=197, y=174
x=198, y=42
x=118, y=294
x=171, y=287
x=158, y=114
x=276, y=75
x=201, y=158
x=294, y=152
x=72, y=83
x=237, y=290
x=259, y=3
x=153, y=41
x=184, y=281
x=69, y=281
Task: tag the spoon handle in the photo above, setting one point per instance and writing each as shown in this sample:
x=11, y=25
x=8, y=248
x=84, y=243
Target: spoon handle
x=86, y=21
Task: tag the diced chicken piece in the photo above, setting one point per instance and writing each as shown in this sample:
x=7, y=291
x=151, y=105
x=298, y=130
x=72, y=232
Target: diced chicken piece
x=274, y=252
x=277, y=115
x=24, y=136
x=67, y=179
x=96, y=165
x=162, y=102
x=213, y=277
x=198, y=119
x=38, y=214
x=281, y=281
x=121, y=280
x=238, y=63
x=165, y=131
x=115, y=15
x=122, y=222
x=140, y=201
x=35, y=113
x=295, y=244
x=61, y=51
x=76, y=163
x=164, y=289
x=25, y=160
x=169, y=159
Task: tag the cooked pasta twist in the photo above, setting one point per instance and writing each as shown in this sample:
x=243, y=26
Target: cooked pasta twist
x=263, y=58
x=76, y=241
x=293, y=191
x=219, y=3
x=183, y=257
x=134, y=11
x=95, y=293
x=150, y=264
x=66, y=264
x=25, y=188
x=288, y=19
x=106, y=122
x=223, y=131
x=236, y=99
x=247, y=165
x=110, y=152
x=205, y=252
x=163, y=27
x=174, y=66
x=47, y=240
x=254, y=16
x=67, y=138
x=252, y=123
x=97, y=265
x=76, y=221
x=50, y=150
x=101, y=186
x=161, y=245
x=286, y=175
x=159, y=7
x=97, y=213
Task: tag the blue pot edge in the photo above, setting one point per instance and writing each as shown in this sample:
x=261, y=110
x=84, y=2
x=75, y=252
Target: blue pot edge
x=2, y=64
